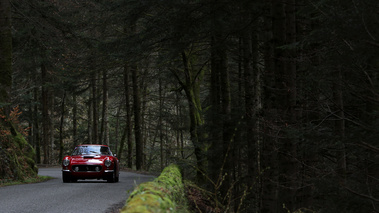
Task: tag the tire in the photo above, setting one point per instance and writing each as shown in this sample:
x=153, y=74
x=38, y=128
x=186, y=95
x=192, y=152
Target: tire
x=116, y=178
x=112, y=178
x=66, y=177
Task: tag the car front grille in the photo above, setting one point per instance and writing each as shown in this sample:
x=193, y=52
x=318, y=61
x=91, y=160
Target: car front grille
x=86, y=168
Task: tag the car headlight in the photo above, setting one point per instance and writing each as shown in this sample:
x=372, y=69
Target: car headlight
x=107, y=163
x=66, y=162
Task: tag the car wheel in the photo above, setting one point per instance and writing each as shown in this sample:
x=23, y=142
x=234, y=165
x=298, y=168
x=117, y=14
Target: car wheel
x=116, y=178
x=66, y=177
x=112, y=177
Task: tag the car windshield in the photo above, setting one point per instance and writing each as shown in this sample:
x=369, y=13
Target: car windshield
x=91, y=150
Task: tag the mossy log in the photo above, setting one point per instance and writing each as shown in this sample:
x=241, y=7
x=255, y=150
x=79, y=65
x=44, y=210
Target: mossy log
x=164, y=194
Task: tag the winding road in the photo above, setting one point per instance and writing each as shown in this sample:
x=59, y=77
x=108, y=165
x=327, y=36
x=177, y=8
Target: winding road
x=54, y=196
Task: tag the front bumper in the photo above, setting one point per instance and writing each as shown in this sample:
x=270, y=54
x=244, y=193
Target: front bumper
x=87, y=172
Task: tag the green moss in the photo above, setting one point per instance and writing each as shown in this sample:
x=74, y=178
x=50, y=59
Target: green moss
x=164, y=194
x=16, y=155
x=28, y=154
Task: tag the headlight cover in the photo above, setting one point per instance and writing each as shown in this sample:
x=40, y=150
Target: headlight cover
x=66, y=162
x=107, y=163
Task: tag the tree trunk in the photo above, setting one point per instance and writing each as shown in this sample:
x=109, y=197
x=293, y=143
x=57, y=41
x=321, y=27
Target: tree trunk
x=51, y=122
x=61, y=146
x=143, y=88
x=45, y=115
x=117, y=128
x=227, y=126
x=36, y=131
x=278, y=28
x=90, y=117
x=5, y=53
x=160, y=122
x=74, y=120
x=339, y=125
x=253, y=109
x=128, y=127
x=104, y=124
x=137, y=118
x=286, y=85
x=220, y=141
x=269, y=194
x=214, y=162
x=191, y=85
x=95, y=117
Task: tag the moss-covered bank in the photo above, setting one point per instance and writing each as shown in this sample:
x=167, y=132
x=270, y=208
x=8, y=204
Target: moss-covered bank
x=165, y=194
x=17, y=157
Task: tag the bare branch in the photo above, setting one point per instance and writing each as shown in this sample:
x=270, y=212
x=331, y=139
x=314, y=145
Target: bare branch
x=362, y=195
x=369, y=146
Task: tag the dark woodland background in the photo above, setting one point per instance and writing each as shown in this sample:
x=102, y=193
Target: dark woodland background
x=272, y=105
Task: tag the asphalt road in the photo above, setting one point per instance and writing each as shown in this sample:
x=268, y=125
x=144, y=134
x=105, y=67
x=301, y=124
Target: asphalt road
x=54, y=196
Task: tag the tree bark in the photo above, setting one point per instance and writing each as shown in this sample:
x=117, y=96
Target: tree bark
x=191, y=87
x=339, y=125
x=127, y=134
x=143, y=94
x=253, y=109
x=160, y=122
x=269, y=195
x=90, y=117
x=284, y=32
x=95, y=117
x=5, y=53
x=104, y=122
x=227, y=126
x=36, y=130
x=128, y=127
x=137, y=118
x=74, y=120
x=286, y=81
x=45, y=115
x=51, y=121
x=61, y=146
x=214, y=124
x=220, y=118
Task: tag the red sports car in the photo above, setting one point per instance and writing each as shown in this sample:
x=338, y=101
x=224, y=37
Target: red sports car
x=90, y=161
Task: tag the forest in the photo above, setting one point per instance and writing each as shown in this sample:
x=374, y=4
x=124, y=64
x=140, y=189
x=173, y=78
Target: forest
x=271, y=105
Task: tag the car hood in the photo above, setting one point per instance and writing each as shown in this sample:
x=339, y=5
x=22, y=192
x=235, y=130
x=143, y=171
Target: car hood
x=88, y=159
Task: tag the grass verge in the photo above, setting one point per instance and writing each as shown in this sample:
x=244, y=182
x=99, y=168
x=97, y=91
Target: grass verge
x=37, y=179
